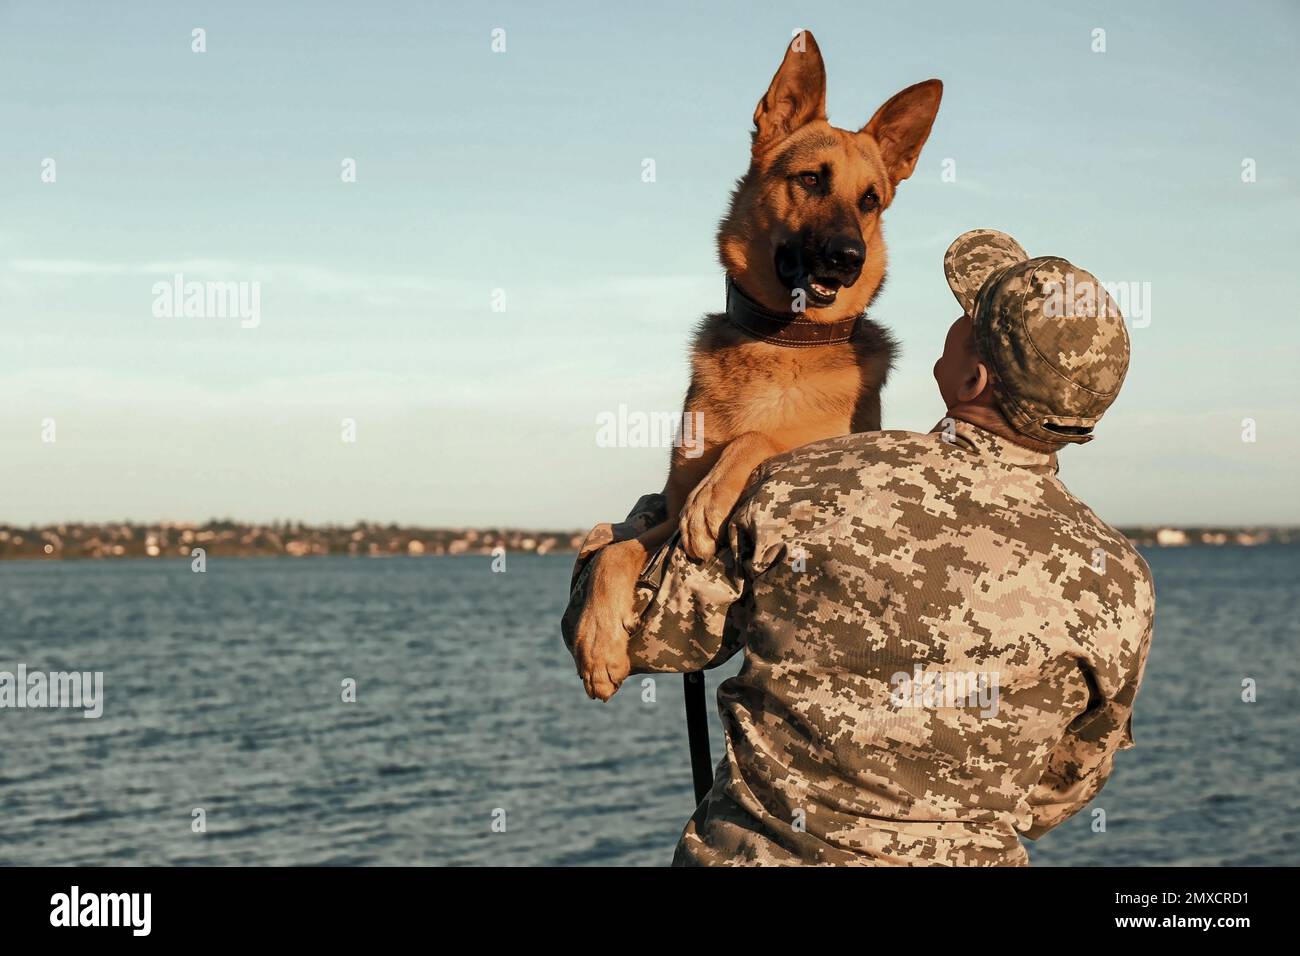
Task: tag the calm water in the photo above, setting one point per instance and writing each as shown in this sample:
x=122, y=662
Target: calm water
x=223, y=691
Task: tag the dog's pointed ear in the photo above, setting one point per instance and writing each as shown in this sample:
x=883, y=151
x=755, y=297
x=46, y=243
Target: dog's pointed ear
x=797, y=95
x=901, y=127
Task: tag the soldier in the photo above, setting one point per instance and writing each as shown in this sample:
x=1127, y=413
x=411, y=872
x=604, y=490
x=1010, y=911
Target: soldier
x=942, y=644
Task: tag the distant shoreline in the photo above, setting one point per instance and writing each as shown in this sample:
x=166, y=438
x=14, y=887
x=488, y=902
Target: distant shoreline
x=224, y=539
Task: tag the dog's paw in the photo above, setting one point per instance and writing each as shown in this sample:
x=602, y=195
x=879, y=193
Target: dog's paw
x=704, y=516
x=600, y=651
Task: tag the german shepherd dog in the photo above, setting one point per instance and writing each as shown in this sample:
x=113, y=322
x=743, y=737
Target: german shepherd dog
x=793, y=359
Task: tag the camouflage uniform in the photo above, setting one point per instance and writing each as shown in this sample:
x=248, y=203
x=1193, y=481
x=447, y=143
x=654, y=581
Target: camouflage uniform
x=854, y=561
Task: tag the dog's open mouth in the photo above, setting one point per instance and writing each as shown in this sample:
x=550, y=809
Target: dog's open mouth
x=796, y=274
x=820, y=291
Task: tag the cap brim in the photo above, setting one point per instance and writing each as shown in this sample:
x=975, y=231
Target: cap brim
x=973, y=257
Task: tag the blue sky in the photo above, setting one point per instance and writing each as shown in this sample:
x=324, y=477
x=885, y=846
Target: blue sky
x=521, y=171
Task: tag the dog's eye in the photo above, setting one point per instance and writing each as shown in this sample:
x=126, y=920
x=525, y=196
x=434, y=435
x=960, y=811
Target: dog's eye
x=811, y=180
x=871, y=200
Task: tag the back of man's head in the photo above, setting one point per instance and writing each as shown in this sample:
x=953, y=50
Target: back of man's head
x=1054, y=340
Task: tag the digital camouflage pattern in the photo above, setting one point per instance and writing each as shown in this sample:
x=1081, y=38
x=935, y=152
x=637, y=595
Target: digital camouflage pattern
x=857, y=559
x=973, y=257
x=1053, y=336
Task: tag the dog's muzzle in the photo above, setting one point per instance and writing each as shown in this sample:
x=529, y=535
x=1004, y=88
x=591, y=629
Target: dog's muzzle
x=821, y=265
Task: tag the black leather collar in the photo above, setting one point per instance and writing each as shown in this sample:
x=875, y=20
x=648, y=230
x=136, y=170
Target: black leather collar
x=789, y=329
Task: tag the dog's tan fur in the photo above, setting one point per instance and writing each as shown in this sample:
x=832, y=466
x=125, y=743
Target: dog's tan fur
x=759, y=399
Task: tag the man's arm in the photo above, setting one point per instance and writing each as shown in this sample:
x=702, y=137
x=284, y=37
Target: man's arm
x=692, y=613
x=1081, y=763
x=689, y=612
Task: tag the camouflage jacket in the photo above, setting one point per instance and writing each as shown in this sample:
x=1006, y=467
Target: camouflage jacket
x=942, y=648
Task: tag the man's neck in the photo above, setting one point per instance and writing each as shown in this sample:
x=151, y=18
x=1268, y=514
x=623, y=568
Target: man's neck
x=991, y=420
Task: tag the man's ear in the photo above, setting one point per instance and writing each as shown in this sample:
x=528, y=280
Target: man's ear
x=901, y=127
x=797, y=95
x=975, y=384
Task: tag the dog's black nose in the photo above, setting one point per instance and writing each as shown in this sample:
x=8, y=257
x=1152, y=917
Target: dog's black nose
x=846, y=252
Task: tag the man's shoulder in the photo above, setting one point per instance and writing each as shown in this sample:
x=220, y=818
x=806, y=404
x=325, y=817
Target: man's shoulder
x=1105, y=579
x=834, y=474
x=855, y=452
x=1120, y=565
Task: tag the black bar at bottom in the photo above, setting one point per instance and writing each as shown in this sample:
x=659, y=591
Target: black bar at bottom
x=376, y=905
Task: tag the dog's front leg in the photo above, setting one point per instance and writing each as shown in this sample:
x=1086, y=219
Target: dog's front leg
x=709, y=504
x=600, y=646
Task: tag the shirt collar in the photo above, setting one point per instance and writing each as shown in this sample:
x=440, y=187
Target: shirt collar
x=1003, y=450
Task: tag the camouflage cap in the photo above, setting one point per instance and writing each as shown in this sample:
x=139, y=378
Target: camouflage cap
x=973, y=257
x=1054, y=338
